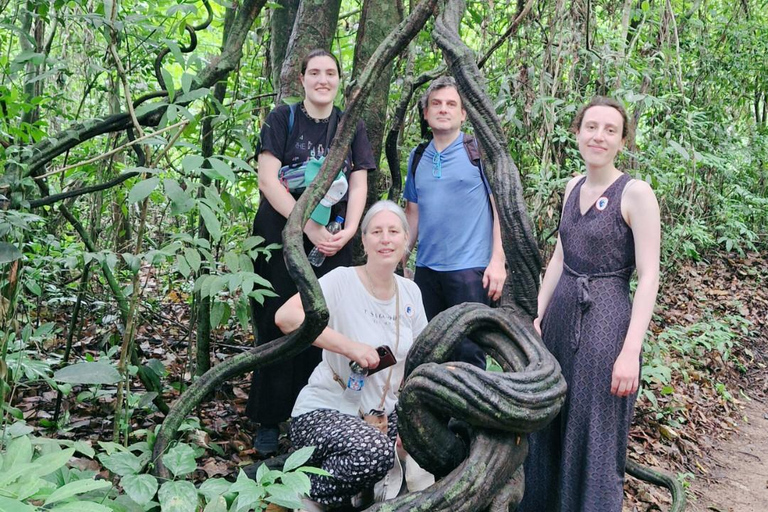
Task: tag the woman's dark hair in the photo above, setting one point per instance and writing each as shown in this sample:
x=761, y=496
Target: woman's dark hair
x=603, y=101
x=319, y=53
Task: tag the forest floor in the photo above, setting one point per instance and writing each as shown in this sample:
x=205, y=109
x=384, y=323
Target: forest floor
x=710, y=426
x=706, y=420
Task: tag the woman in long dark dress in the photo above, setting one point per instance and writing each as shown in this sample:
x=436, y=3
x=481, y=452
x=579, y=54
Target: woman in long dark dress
x=290, y=138
x=610, y=225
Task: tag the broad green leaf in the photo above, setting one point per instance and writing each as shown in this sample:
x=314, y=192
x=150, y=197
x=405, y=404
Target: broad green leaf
x=231, y=261
x=15, y=471
x=180, y=460
x=176, y=51
x=261, y=471
x=9, y=253
x=181, y=202
x=11, y=505
x=193, y=258
x=192, y=163
x=242, y=164
x=246, y=263
x=81, y=506
x=17, y=429
x=284, y=496
x=142, y=189
x=218, y=283
x=75, y=488
x=88, y=373
x=680, y=149
x=183, y=266
x=178, y=497
x=211, y=222
x=313, y=471
x=27, y=487
x=141, y=488
x=297, y=481
x=146, y=108
x=19, y=452
x=218, y=312
x=249, y=493
x=242, y=310
x=133, y=262
x=168, y=79
x=50, y=462
x=122, y=463
x=187, y=81
x=214, y=487
x=34, y=288
x=298, y=458
x=216, y=504
x=251, y=242
x=223, y=169
x=193, y=95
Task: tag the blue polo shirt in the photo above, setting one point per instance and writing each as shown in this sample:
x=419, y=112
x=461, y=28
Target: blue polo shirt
x=455, y=216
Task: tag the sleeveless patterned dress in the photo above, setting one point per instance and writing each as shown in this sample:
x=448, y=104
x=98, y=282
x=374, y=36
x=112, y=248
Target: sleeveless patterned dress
x=576, y=464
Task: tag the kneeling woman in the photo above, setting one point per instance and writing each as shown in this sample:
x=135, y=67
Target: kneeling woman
x=369, y=307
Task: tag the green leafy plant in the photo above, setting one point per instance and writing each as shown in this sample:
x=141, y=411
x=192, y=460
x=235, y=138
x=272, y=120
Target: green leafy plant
x=35, y=475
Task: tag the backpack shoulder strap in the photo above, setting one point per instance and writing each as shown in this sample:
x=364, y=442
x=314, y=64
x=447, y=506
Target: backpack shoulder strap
x=291, y=121
x=292, y=117
x=473, y=150
x=473, y=153
x=417, y=156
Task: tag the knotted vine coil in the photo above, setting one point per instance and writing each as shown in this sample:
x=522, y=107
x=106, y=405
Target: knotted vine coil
x=496, y=409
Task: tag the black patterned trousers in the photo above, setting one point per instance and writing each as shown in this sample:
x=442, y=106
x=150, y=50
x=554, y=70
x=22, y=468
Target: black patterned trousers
x=356, y=454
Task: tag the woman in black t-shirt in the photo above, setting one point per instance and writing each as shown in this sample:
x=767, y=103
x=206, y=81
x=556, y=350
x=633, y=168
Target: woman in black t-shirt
x=290, y=137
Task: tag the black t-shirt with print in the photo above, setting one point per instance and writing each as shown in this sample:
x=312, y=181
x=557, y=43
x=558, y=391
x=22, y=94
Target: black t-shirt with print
x=307, y=140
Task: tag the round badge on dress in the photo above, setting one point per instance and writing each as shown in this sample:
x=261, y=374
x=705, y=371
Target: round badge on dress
x=409, y=310
x=601, y=203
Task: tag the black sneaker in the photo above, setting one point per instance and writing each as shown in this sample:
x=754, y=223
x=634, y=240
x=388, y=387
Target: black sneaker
x=266, y=440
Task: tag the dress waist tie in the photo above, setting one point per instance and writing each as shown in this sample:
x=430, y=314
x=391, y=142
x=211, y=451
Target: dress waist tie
x=583, y=291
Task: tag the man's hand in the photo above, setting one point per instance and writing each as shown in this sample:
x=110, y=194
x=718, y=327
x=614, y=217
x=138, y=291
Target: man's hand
x=493, y=278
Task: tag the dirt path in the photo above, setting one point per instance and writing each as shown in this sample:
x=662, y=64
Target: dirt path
x=738, y=476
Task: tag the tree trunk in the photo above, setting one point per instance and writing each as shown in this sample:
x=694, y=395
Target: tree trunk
x=378, y=19
x=203, y=314
x=280, y=23
x=315, y=27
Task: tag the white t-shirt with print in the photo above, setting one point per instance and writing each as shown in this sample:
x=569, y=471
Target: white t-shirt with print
x=360, y=316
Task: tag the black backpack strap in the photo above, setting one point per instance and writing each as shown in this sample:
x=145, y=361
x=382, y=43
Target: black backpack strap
x=417, y=154
x=291, y=121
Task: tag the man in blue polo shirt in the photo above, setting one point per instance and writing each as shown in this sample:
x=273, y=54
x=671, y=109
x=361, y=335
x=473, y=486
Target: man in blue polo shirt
x=452, y=214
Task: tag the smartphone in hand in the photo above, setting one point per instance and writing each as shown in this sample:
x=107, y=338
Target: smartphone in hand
x=386, y=359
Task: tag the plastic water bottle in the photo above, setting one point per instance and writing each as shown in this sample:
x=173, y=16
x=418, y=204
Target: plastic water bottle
x=353, y=395
x=316, y=258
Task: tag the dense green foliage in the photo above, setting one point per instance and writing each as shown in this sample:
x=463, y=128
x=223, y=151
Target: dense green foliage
x=693, y=74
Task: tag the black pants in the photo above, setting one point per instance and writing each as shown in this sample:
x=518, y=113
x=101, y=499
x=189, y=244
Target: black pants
x=274, y=388
x=355, y=453
x=442, y=290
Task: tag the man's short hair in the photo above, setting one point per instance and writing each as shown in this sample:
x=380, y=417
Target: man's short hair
x=436, y=85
